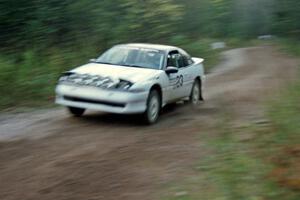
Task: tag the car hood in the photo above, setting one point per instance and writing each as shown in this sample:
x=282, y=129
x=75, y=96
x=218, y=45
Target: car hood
x=132, y=74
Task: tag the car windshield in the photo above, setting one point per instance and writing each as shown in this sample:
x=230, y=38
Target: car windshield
x=133, y=57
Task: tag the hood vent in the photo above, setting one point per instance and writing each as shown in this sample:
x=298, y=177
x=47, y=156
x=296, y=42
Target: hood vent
x=89, y=80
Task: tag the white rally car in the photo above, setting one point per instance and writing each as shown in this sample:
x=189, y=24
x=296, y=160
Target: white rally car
x=132, y=79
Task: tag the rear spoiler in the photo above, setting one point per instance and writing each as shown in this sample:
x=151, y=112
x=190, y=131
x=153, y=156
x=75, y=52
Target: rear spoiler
x=198, y=60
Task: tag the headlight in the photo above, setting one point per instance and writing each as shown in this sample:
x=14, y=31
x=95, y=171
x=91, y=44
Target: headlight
x=123, y=85
x=64, y=77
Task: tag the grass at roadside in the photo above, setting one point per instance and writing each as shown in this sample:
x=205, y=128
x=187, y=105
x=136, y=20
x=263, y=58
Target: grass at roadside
x=232, y=170
x=290, y=46
x=28, y=79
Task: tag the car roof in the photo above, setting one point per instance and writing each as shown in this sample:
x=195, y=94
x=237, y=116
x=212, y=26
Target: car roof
x=151, y=46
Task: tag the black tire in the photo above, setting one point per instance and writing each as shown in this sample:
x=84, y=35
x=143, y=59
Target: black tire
x=153, y=108
x=77, y=112
x=171, y=106
x=196, y=93
x=201, y=98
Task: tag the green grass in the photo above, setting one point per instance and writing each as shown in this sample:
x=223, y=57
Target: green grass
x=290, y=46
x=28, y=79
x=231, y=171
x=241, y=169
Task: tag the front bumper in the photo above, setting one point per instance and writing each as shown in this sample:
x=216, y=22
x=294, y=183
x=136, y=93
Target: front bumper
x=93, y=98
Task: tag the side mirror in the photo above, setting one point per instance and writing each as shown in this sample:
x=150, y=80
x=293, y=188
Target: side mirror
x=92, y=60
x=171, y=70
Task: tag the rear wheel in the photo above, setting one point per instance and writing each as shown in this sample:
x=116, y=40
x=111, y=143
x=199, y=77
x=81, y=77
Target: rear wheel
x=77, y=112
x=153, y=107
x=196, y=93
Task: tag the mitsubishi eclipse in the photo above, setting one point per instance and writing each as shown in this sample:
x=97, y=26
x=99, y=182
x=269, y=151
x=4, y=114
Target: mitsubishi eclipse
x=133, y=79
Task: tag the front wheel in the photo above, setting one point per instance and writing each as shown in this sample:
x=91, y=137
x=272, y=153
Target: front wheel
x=196, y=93
x=153, y=107
x=77, y=112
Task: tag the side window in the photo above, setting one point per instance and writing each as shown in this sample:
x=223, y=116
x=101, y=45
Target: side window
x=186, y=58
x=181, y=61
x=178, y=60
x=187, y=61
x=172, y=60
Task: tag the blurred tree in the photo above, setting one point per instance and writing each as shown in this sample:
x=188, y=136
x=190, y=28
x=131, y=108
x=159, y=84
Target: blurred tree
x=40, y=24
x=43, y=23
x=14, y=16
x=252, y=17
x=287, y=18
x=148, y=20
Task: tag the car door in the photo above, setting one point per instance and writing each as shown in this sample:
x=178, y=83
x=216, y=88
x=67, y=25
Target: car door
x=175, y=79
x=186, y=68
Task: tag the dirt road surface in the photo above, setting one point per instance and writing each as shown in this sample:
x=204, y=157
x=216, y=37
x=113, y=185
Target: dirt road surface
x=47, y=154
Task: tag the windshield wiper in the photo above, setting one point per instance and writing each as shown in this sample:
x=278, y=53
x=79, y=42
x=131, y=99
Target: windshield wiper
x=137, y=66
x=126, y=65
x=107, y=63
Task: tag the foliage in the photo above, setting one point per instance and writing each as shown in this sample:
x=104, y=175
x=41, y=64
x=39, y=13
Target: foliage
x=287, y=18
x=290, y=46
x=43, y=23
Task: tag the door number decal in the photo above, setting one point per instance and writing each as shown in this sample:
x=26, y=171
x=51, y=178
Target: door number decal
x=177, y=81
